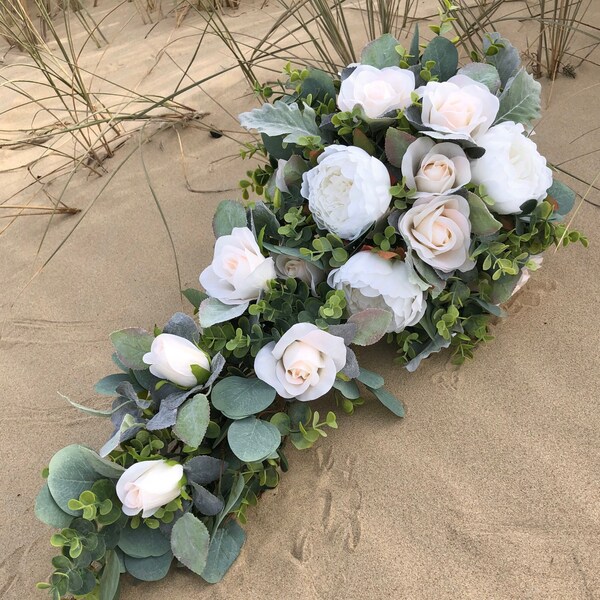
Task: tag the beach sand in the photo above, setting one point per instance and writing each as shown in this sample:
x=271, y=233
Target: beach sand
x=488, y=489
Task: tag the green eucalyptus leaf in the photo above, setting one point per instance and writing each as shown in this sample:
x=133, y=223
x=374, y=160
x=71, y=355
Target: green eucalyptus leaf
x=252, y=440
x=151, y=568
x=225, y=547
x=349, y=389
x=240, y=397
x=143, y=542
x=192, y=420
x=73, y=470
x=396, y=144
x=562, y=196
x=107, y=386
x=482, y=221
x=414, y=48
x=389, y=401
x=229, y=214
x=131, y=345
x=503, y=288
x=381, y=52
x=445, y=55
x=319, y=85
x=212, y=311
x=189, y=542
x=372, y=324
x=47, y=511
x=370, y=379
x=507, y=60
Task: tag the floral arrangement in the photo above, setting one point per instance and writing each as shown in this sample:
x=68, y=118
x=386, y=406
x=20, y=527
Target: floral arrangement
x=404, y=202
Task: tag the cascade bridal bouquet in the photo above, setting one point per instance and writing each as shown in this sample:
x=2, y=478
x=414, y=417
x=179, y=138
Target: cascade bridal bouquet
x=405, y=201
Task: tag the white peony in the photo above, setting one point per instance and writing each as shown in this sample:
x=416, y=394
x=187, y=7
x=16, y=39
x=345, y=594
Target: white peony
x=439, y=231
x=459, y=108
x=433, y=169
x=511, y=170
x=303, y=364
x=378, y=91
x=347, y=191
x=288, y=266
x=239, y=272
x=370, y=281
x=148, y=485
x=171, y=357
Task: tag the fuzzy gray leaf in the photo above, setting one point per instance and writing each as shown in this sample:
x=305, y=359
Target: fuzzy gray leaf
x=283, y=119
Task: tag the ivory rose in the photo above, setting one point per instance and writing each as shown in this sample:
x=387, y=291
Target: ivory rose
x=239, y=272
x=303, y=364
x=511, y=170
x=171, y=358
x=370, y=281
x=459, y=108
x=378, y=91
x=148, y=485
x=347, y=191
x=433, y=169
x=289, y=266
x=439, y=231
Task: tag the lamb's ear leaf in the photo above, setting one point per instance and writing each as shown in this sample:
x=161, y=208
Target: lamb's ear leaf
x=190, y=541
x=521, y=100
x=506, y=60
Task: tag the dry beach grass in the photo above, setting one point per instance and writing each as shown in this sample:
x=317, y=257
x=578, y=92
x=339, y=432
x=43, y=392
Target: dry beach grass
x=487, y=490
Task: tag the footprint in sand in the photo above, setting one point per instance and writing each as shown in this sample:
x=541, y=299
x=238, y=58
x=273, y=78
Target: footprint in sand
x=340, y=499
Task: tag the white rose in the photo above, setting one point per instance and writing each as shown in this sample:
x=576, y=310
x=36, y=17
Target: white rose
x=433, y=169
x=537, y=259
x=347, y=191
x=511, y=170
x=370, y=281
x=378, y=91
x=171, y=357
x=288, y=266
x=459, y=108
x=280, y=183
x=239, y=272
x=439, y=231
x=303, y=364
x=148, y=485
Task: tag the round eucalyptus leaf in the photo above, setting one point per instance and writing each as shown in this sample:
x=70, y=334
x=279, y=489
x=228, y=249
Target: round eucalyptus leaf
x=252, y=439
x=47, y=511
x=73, y=470
x=143, y=542
x=239, y=397
x=151, y=568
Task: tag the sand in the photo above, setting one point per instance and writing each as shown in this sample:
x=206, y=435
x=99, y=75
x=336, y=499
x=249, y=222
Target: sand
x=488, y=489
